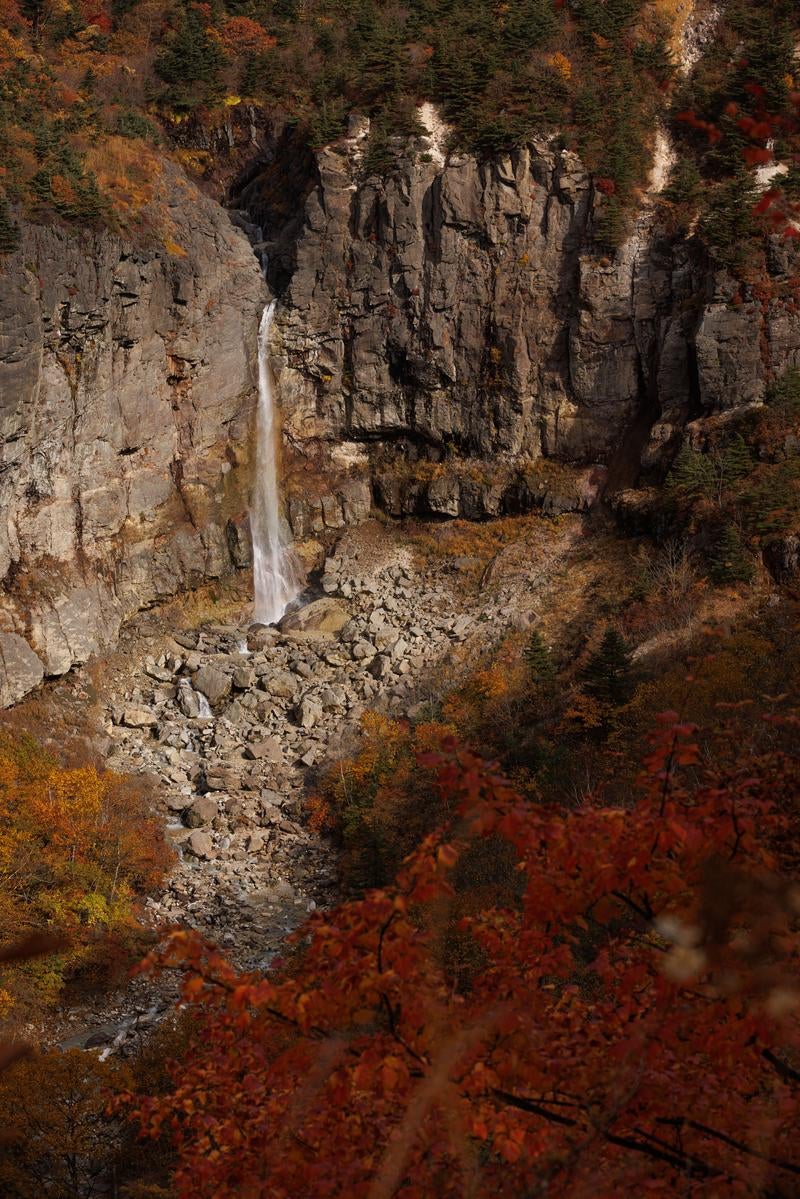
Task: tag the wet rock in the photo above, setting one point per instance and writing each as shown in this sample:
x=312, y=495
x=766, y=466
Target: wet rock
x=260, y=637
x=212, y=683
x=177, y=802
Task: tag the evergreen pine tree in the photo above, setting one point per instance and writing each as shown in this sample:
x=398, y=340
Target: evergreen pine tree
x=729, y=560
x=190, y=63
x=538, y=659
x=692, y=474
x=9, y=232
x=736, y=460
x=784, y=393
x=608, y=673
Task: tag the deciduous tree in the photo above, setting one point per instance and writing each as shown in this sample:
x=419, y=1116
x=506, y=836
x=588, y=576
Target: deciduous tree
x=628, y=1024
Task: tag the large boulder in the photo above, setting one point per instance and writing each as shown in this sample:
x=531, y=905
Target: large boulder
x=214, y=684
x=323, y=616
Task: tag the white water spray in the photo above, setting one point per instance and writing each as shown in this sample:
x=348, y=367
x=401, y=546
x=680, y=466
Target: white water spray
x=276, y=574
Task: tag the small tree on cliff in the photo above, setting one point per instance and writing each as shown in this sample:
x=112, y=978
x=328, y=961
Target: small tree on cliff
x=538, y=659
x=729, y=560
x=608, y=673
x=9, y=232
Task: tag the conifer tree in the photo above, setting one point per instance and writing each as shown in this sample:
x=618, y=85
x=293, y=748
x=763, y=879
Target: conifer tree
x=691, y=474
x=729, y=560
x=9, y=232
x=736, y=460
x=190, y=63
x=607, y=674
x=538, y=659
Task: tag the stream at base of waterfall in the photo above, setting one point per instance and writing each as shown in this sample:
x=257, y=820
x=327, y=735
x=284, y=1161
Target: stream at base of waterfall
x=276, y=572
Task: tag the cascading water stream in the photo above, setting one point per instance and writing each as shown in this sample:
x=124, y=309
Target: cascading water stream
x=276, y=575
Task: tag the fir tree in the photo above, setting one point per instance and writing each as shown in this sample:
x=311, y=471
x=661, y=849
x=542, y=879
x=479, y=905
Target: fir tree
x=691, y=474
x=784, y=394
x=736, y=460
x=729, y=560
x=9, y=232
x=190, y=63
x=608, y=673
x=538, y=659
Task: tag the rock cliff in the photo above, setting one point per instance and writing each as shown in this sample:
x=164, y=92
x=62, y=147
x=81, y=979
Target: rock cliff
x=126, y=405
x=449, y=339
x=463, y=310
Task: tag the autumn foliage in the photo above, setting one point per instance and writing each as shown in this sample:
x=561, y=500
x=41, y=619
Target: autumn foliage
x=78, y=849
x=618, y=1011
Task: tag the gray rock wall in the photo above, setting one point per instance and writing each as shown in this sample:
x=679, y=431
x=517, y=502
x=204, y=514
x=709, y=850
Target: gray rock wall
x=126, y=406
x=463, y=308
x=458, y=312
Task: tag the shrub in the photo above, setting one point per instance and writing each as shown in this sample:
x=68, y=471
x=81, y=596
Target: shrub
x=78, y=849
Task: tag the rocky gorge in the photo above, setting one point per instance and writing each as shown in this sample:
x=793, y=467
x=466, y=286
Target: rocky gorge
x=449, y=340
x=230, y=723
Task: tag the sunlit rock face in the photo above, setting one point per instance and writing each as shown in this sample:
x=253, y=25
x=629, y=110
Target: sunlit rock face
x=127, y=392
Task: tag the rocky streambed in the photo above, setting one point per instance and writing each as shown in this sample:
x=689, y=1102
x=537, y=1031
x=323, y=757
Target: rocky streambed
x=231, y=722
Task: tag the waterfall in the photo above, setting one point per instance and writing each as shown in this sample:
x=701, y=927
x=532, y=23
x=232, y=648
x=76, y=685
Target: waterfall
x=276, y=575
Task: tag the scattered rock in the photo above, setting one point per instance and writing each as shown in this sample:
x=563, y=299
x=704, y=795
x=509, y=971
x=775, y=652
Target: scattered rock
x=380, y=666
x=282, y=684
x=269, y=749
x=202, y=811
x=244, y=677
x=221, y=778
x=308, y=712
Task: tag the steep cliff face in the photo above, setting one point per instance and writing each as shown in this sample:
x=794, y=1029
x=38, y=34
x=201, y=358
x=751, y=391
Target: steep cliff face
x=462, y=310
x=126, y=406
x=447, y=339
